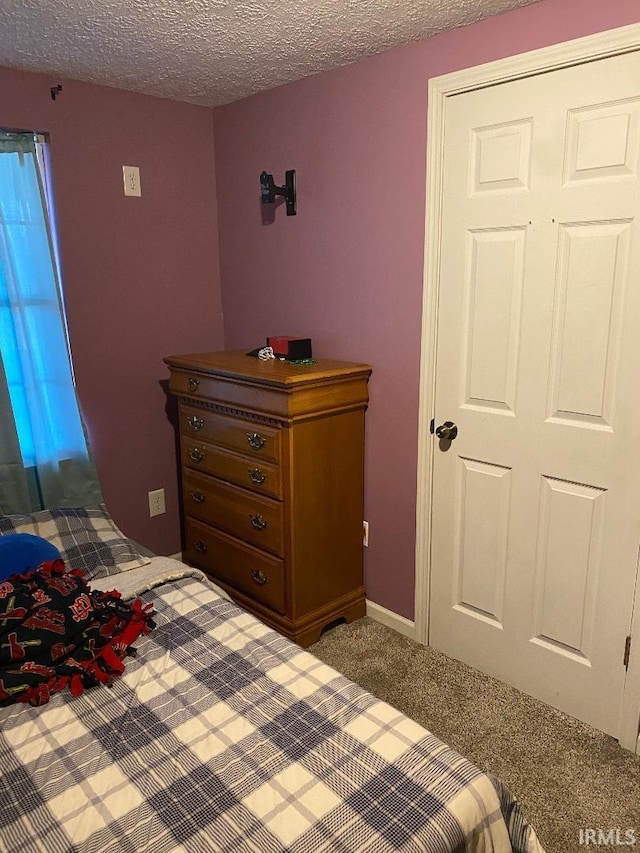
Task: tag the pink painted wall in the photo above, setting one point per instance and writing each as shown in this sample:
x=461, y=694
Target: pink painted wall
x=347, y=270
x=141, y=275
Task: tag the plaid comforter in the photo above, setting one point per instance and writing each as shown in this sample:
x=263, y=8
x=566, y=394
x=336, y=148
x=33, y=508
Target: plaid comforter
x=224, y=736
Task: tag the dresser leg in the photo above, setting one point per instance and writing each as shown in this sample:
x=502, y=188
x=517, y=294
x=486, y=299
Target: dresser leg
x=308, y=636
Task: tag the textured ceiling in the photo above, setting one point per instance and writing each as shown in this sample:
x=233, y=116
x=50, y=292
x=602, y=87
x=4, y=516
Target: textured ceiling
x=213, y=52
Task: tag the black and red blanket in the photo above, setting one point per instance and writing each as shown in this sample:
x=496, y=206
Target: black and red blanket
x=55, y=632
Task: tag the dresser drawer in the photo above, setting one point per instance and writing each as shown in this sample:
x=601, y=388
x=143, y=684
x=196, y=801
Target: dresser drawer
x=252, y=518
x=254, y=439
x=246, y=569
x=254, y=474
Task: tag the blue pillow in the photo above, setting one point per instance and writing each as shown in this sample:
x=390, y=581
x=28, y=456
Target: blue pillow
x=23, y=552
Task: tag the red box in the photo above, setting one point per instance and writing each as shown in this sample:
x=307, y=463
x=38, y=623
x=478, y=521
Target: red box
x=290, y=347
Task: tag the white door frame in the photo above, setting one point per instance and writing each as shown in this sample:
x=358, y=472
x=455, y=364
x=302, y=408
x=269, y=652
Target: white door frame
x=600, y=46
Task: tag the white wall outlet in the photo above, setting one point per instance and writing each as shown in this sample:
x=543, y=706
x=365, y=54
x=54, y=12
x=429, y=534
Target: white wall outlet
x=156, y=503
x=365, y=534
x=131, y=178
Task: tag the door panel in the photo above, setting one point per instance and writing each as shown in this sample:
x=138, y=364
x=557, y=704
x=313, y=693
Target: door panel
x=496, y=266
x=482, y=546
x=568, y=560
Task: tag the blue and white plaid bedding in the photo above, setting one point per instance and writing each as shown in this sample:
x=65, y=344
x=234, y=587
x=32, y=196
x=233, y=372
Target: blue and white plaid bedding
x=224, y=736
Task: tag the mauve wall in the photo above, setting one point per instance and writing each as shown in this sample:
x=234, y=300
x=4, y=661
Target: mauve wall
x=347, y=270
x=141, y=275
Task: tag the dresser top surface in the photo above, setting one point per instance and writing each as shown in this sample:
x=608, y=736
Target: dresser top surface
x=236, y=364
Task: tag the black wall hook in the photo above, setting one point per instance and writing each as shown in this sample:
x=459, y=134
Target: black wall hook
x=55, y=91
x=269, y=191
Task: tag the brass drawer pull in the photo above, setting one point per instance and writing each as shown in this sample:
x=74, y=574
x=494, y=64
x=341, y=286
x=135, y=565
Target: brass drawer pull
x=200, y=546
x=258, y=521
x=256, y=440
x=196, y=455
x=195, y=423
x=198, y=497
x=257, y=476
x=259, y=577
x=193, y=383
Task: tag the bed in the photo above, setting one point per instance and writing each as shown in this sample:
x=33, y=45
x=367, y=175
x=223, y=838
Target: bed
x=222, y=735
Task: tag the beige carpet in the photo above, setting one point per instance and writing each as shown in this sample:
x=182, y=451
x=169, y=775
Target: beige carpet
x=567, y=775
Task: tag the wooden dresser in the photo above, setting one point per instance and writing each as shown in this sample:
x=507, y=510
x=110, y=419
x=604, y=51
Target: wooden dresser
x=273, y=484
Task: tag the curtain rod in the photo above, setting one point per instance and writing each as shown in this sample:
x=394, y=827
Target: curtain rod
x=41, y=135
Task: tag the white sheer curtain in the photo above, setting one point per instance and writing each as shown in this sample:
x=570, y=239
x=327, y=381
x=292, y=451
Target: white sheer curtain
x=44, y=460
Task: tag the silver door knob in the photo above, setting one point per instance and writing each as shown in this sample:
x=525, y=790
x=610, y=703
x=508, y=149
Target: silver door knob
x=447, y=431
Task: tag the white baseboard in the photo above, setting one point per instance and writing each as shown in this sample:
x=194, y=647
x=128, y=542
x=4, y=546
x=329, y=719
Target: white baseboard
x=393, y=620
